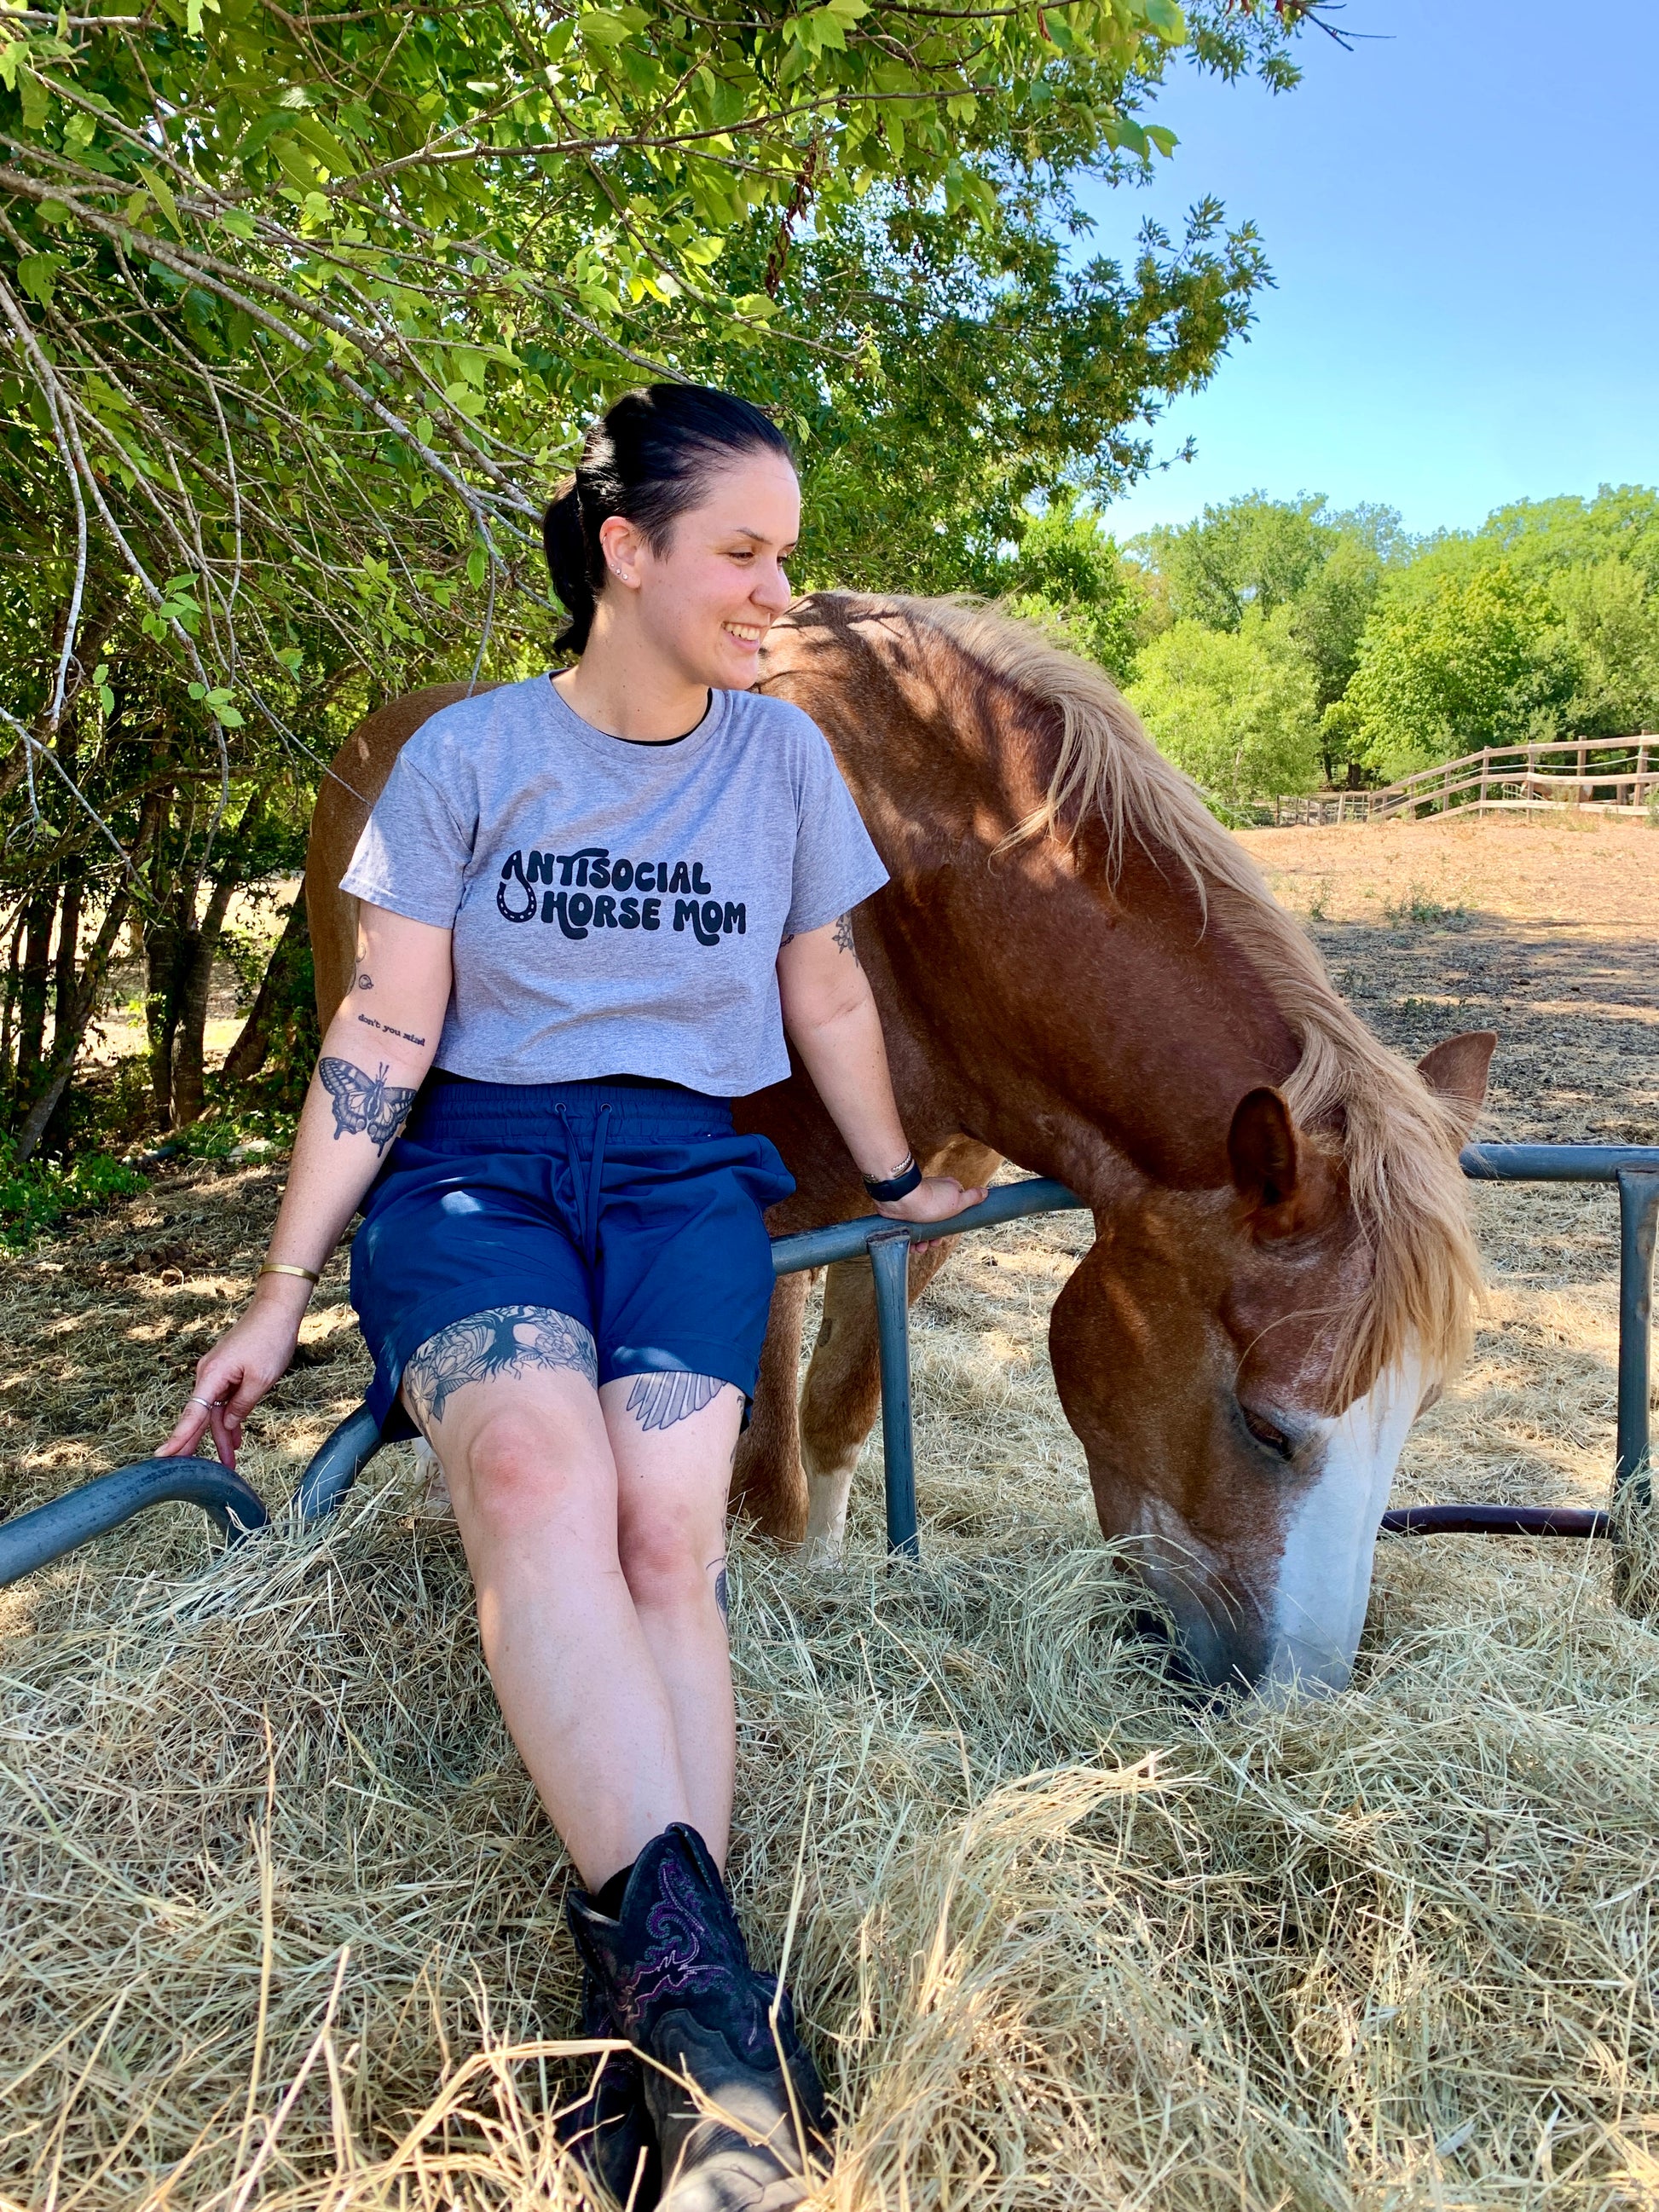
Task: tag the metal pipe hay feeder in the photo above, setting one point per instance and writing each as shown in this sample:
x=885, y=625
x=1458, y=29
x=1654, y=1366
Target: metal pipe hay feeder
x=33, y=1539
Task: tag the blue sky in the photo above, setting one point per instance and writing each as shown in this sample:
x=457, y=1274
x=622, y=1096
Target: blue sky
x=1462, y=218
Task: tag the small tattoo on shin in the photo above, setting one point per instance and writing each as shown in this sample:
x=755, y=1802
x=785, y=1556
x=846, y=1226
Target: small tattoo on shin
x=657, y=1401
x=505, y=1340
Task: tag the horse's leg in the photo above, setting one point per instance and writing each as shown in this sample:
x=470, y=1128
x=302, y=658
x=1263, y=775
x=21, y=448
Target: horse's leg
x=767, y=1480
x=843, y=1389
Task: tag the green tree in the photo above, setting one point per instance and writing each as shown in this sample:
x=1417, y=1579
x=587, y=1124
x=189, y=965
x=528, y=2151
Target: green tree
x=1610, y=612
x=1236, y=708
x=303, y=312
x=1070, y=574
x=1252, y=552
x=1261, y=554
x=1485, y=661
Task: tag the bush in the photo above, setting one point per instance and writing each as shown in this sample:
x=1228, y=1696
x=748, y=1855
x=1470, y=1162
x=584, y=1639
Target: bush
x=1483, y=661
x=35, y=1194
x=1237, y=709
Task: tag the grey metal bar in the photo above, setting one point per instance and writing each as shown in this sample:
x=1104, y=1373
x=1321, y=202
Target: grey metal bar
x=33, y=1539
x=889, y=1262
x=1497, y=1520
x=336, y=1464
x=1557, y=1162
x=847, y=1240
x=1639, y=1221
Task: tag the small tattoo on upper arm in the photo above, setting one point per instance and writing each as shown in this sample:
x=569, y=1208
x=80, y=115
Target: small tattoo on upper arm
x=657, y=1401
x=504, y=1340
x=365, y=1105
x=844, y=936
x=722, y=1590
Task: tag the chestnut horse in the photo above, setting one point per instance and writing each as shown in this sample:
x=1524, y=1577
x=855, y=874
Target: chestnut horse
x=1080, y=971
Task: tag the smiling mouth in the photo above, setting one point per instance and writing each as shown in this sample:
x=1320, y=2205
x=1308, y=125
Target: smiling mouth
x=744, y=633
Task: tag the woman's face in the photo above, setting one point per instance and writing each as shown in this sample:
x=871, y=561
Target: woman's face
x=708, y=597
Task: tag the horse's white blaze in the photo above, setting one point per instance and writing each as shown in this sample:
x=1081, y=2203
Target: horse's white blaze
x=1325, y=1573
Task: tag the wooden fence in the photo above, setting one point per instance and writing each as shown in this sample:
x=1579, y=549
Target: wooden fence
x=1613, y=775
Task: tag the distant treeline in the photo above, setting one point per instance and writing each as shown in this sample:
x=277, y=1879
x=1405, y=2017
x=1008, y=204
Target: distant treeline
x=1275, y=645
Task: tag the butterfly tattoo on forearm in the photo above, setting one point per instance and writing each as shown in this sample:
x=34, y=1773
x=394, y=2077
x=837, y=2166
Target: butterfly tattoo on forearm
x=365, y=1105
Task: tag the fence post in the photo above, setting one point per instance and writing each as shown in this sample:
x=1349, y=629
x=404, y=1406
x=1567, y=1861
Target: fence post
x=889, y=1263
x=1638, y=1219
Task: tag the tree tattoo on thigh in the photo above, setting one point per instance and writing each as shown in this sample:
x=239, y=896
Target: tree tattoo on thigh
x=505, y=1340
x=657, y=1401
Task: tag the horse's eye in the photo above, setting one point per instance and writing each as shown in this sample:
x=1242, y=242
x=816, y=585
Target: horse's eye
x=1268, y=1432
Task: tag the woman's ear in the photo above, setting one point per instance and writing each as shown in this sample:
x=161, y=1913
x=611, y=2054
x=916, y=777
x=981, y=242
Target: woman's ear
x=622, y=543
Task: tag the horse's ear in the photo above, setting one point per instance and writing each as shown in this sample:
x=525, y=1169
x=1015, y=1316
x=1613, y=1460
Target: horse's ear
x=1456, y=1071
x=1262, y=1152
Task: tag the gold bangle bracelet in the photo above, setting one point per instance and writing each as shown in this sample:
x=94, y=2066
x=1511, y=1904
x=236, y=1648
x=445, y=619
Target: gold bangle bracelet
x=282, y=1267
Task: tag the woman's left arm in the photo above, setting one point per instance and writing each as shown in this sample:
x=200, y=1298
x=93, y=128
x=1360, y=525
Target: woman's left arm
x=830, y=1011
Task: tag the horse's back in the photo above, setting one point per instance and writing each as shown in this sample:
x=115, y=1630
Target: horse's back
x=354, y=780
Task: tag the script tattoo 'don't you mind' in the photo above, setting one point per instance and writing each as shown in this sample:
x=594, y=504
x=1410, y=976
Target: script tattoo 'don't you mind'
x=589, y=891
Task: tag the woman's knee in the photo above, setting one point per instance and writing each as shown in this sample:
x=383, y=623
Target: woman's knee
x=669, y=1560
x=513, y=1473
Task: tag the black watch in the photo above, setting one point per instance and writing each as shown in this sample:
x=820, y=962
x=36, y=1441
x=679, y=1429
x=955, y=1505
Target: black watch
x=886, y=1190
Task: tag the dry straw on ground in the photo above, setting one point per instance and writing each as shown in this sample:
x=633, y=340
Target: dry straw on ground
x=280, y=1924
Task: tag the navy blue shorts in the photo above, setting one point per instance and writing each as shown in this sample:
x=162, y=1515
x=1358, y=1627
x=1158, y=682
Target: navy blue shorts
x=630, y=1206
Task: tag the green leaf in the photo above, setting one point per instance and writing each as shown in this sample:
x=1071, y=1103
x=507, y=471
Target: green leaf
x=38, y=273
x=477, y=565
x=162, y=192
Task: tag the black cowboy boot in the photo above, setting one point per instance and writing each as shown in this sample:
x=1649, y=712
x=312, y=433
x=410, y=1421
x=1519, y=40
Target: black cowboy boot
x=675, y=1971
x=610, y=2131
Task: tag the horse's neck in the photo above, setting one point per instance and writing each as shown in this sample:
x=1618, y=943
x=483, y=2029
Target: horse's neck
x=1086, y=1034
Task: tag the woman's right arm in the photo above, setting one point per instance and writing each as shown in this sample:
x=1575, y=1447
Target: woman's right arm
x=375, y=1058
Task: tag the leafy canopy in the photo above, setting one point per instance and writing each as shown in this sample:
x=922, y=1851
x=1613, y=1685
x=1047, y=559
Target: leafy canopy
x=1468, y=665
x=305, y=308
x=1236, y=709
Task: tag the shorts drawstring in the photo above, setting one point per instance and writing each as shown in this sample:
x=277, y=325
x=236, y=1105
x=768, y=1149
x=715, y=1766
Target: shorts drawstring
x=587, y=1200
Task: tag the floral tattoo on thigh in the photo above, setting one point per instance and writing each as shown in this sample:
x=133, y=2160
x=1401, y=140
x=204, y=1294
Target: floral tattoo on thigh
x=505, y=1340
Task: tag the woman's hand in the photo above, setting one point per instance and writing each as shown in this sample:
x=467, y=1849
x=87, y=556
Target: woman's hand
x=935, y=1198
x=232, y=1378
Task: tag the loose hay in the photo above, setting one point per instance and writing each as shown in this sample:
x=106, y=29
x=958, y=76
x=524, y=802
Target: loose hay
x=1062, y=1939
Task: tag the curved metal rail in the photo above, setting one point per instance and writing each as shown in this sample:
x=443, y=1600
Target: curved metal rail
x=32, y=1539
x=35, y=1540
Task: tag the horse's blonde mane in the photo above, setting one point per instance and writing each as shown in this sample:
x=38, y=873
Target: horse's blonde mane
x=1398, y=1142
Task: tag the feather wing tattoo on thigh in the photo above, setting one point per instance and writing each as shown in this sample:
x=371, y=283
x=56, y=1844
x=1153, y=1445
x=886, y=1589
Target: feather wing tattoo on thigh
x=365, y=1105
x=658, y=1401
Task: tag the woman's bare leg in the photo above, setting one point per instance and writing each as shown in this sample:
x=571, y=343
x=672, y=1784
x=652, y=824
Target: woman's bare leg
x=506, y=1401
x=672, y=1437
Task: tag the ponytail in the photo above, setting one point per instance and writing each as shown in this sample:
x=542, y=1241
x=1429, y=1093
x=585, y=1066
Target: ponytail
x=647, y=460
x=564, y=542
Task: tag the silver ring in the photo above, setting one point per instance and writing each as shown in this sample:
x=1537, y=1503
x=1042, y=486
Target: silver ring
x=213, y=1405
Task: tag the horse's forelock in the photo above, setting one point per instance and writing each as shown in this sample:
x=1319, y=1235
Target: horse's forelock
x=1398, y=1143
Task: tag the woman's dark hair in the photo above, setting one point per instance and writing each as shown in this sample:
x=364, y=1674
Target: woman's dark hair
x=647, y=459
